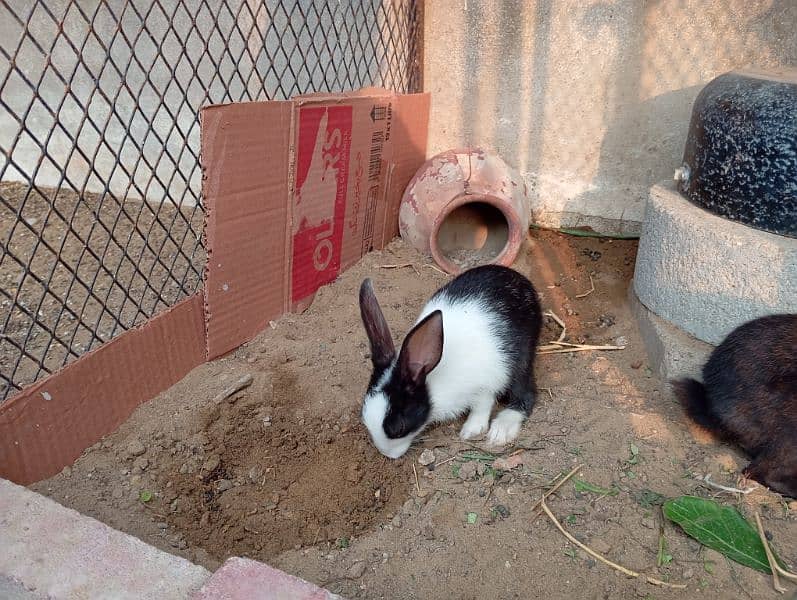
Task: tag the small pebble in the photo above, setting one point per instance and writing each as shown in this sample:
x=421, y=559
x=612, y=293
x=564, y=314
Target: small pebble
x=356, y=571
x=648, y=522
x=223, y=485
x=141, y=463
x=135, y=447
x=255, y=474
x=688, y=573
x=427, y=457
x=211, y=463
x=600, y=546
x=396, y=522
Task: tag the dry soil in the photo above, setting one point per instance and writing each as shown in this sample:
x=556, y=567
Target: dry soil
x=283, y=470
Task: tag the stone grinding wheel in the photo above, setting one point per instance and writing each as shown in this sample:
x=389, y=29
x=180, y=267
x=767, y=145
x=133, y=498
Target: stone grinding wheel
x=740, y=160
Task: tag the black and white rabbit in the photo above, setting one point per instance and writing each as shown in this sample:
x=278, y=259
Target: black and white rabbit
x=473, y=344
x=749, y=397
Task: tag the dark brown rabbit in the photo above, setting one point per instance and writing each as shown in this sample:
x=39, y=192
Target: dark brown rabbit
x=749, y=397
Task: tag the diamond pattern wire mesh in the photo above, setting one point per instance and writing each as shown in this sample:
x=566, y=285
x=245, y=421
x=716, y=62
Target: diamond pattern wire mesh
x=100, y=206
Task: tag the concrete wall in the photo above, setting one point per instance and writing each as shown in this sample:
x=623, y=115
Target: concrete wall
x=589, y=99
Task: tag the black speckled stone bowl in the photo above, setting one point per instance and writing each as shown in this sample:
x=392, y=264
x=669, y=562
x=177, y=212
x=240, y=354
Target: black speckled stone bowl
x=740, y=160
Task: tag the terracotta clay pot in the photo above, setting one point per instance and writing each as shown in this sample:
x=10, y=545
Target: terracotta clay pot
x=465, y=208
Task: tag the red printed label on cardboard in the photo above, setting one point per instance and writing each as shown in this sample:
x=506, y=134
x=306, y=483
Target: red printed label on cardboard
x=319, y=206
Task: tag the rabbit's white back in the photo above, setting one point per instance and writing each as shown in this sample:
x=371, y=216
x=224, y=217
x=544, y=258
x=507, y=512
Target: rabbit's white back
x=472, y=369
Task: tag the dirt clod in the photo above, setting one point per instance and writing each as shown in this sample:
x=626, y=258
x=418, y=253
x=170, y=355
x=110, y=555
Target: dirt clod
x=427, y=457
x=136, y=448
x=357, y=570
x=468, y=470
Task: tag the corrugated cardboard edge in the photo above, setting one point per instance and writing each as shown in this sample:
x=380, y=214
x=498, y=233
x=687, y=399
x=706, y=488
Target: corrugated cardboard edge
x=48, y=425
x=409, y=153
x=245, y=162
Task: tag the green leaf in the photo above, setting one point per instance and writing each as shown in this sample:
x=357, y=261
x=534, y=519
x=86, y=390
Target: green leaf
x=472, y=516
x=571, y=553
x=145, y=496
x=572, y=519
x=343, y=543
x=634, y=449
x=586, y=486
x=721, y=528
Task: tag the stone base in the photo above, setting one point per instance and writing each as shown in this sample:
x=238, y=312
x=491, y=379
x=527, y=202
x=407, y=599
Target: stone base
x=672, y=354
x=708, y=275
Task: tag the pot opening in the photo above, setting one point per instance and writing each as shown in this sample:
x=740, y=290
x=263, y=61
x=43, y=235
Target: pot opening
x=472, y=234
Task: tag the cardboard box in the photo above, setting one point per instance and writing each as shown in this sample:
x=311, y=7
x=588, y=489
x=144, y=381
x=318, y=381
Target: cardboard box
x=295, y=192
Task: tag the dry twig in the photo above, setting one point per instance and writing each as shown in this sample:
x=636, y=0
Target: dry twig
x=243, y=383
x=557, y=348
x=442, y=462
x=417, y=483
x=591, y=552
x=555, y=317
x=589, y=291
x=731, y=490
x=773, y=564
x=436, y=269
x=401, y=266
x=553, y=490
x=561, y=347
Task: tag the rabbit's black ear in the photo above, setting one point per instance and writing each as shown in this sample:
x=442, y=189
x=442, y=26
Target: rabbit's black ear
x=382, y=349
x=422, y=349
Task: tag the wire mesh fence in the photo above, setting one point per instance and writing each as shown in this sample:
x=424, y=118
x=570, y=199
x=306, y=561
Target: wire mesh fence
x=100, y=205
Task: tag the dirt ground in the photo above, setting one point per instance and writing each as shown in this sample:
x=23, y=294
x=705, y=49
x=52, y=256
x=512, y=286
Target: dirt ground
x=283, y=471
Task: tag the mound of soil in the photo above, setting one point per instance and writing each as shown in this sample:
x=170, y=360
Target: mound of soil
x=270, y=479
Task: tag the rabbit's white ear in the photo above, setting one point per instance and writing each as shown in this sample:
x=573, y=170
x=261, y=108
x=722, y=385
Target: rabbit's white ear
x=382, y=349
x=422, y=349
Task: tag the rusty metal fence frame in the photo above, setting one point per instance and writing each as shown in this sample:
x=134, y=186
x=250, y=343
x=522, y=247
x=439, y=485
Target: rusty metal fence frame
x=100, y=204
